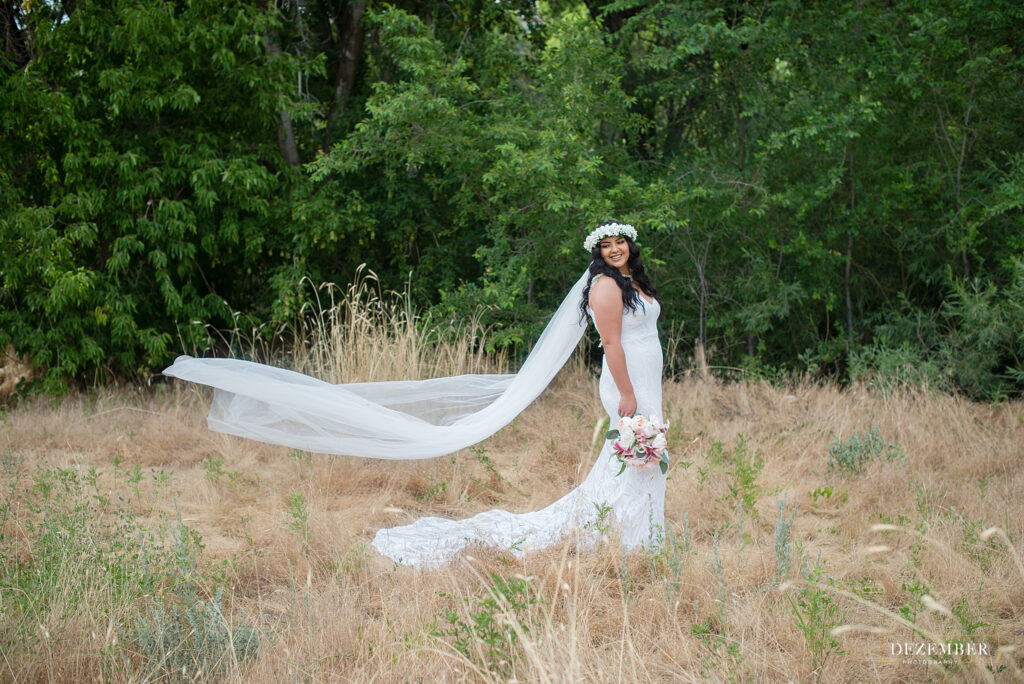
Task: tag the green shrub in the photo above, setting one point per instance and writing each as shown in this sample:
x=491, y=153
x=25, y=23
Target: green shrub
x=972, y=343
x=130, y=212
x=889, y=368
x=852, y=454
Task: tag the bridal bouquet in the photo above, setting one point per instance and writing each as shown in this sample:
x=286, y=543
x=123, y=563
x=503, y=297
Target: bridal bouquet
x=640, y=442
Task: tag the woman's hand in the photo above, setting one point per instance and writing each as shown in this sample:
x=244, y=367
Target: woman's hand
x=627, y=405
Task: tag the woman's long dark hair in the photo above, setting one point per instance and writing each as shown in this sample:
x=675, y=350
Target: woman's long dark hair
x=630, y=297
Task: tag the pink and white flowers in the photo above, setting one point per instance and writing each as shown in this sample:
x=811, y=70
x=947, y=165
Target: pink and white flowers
x=640, y=442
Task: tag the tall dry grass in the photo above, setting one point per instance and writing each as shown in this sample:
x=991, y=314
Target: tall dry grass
x=285, y=536
x=364, y=333
x=361, y=333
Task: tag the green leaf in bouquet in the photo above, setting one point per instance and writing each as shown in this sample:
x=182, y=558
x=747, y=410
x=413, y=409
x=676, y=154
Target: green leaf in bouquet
x=664, y=462
x=622, y=469
x=611, y=434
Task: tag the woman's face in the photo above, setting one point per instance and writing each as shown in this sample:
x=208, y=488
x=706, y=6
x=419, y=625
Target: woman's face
x=615, y=252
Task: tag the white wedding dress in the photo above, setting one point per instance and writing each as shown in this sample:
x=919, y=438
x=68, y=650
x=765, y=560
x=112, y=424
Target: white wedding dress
x=633, y=503
x=413, y=419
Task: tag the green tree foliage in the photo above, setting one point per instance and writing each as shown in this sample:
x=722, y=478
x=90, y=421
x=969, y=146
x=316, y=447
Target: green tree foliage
x=505, y=168
x=834, y=187
x=138, y=177
x=840, y=162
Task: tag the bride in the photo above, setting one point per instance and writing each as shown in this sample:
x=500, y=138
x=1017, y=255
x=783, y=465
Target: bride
x=427, y=418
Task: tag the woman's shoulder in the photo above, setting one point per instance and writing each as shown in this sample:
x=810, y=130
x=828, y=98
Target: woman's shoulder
x=600, y=281
x=604, y=291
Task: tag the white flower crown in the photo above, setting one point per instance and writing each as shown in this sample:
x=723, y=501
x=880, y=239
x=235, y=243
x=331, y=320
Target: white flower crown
x=608, y=230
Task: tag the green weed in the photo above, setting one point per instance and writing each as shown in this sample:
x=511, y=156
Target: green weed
x=815, y=613
x=436, y=489
x=602, y=523
x=742, y=466
x=486, y=632
x=215, y=470
x=298, y=513
x=721, y=650
x=483, y=459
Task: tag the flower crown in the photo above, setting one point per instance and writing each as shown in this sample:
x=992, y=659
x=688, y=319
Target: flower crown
x=608, y=230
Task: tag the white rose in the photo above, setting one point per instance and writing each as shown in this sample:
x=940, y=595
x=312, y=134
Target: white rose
x=656, y=422
x=639, y=423
x=626, y=437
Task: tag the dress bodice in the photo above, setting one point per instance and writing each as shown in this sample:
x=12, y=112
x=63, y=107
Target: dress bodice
x=640, y=342
x=639, y=325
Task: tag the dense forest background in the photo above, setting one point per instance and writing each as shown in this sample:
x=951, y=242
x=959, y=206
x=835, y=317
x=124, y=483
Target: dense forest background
x=826, y=187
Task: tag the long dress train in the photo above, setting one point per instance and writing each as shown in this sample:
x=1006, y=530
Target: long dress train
x=635, y=500
x=396, y=420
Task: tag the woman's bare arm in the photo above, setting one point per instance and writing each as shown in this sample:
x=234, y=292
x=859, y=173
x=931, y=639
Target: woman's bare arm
x=606, y=302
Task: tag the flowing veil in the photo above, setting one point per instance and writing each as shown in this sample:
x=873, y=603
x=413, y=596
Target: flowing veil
x=404, y=419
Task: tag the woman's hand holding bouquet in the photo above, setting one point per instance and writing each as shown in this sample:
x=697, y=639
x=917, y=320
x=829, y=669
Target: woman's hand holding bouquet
x=640, y=442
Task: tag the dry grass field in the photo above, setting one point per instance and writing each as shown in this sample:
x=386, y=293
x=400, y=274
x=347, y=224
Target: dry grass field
x=139, y=546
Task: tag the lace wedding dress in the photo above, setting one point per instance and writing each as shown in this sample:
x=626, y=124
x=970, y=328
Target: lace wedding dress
x=634, y=502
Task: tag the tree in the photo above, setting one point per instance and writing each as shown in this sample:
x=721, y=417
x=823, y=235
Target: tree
x=138, y=183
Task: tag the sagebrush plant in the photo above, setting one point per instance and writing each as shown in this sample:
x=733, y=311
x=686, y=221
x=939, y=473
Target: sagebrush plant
x=853, y=454
x=187, y=636
x=784, y=540
x=185, y=633
x=669, y=561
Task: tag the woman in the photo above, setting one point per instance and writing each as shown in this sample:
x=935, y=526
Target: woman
x=621, y=301
x=428, y=418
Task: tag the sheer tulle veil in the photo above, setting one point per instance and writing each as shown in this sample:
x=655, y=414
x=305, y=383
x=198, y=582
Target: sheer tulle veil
x=406, y=419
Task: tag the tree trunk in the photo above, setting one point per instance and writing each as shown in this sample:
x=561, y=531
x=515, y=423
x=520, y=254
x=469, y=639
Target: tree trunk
x=700, y=362
x=286, y=133
x=848, y=266
x=611, y=21
x=351, y=33
x=16, y=42
x=286, y=140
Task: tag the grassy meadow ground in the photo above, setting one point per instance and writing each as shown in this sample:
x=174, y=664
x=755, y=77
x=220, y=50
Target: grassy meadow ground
x=244, y=538
x=139, y=546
